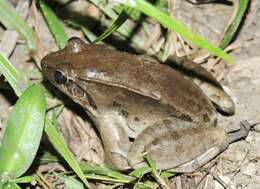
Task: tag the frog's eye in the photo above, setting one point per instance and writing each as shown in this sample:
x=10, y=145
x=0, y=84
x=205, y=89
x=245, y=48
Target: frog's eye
x=60, y=77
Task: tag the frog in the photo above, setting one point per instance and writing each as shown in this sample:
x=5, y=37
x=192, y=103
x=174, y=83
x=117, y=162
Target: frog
x=140, y=106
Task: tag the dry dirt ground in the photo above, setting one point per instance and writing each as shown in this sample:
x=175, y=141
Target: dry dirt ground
x=239, y=166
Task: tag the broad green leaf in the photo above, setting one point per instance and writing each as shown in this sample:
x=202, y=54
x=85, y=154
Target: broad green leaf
x=10, y=19
x=23, y=133
x=10, y=185
x=54, y=23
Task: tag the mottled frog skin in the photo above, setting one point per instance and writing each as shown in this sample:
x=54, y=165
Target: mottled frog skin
x=138, y=106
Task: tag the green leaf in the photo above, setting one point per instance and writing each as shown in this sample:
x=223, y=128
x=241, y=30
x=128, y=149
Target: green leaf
x=9, y=185
x=150, y=162
x=54, y=24
x=10, y=19
x=23, y=133
x=25, y=179
x=101, y=170
x=140, y=172
x=167, y=174
x=177, y=26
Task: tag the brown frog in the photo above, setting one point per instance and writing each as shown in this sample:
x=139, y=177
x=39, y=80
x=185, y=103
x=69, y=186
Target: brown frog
x=140, y=106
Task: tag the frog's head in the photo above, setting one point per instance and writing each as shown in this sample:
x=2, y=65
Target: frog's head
x=57, y=67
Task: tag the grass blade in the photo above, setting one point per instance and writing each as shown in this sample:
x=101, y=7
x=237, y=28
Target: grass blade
x=10, y=19
x=54, y=24
x=177, y=26
x=60, y=145
x=232, y=29
x=116, y=24
x=14, y=78
x=140, y=172
x=100, y=170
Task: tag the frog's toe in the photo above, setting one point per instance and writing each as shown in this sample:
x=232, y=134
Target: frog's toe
x=225, y=105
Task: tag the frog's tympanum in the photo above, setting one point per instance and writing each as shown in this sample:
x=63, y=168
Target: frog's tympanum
x=140, y=106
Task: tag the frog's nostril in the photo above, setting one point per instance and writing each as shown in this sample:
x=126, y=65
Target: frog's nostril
x=44, y=65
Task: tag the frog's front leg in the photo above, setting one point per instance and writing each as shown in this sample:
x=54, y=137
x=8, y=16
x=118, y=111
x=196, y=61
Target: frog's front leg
x=115, y=142
x=172, y=143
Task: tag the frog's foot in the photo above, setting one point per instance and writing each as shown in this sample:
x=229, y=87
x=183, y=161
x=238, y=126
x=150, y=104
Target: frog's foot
x=241, y=133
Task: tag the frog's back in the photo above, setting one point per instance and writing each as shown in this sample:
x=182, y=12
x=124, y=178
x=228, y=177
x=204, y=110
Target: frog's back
x=152, y=80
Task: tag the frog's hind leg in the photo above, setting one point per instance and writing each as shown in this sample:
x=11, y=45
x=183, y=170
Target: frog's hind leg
x=173, y=142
